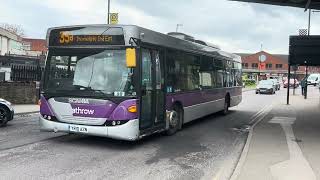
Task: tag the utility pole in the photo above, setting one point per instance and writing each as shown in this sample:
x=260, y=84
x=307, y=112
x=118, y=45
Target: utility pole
x=108, y=12
x=309, y=22
x=178, y=27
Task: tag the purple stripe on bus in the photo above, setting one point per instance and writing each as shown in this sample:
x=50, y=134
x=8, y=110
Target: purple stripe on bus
x=193, y=98
x=45, y=108
x=121, y=112
x=93, y=110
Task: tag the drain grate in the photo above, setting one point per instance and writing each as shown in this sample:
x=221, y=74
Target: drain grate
x=244, y=128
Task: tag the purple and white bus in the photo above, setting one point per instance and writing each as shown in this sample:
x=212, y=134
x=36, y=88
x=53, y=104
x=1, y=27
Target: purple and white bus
x=126, y=82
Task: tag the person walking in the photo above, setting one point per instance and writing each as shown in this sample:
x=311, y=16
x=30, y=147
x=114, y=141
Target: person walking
x=303, y=85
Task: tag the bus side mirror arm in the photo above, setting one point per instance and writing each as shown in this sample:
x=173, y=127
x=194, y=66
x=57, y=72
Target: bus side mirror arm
x=135, y=41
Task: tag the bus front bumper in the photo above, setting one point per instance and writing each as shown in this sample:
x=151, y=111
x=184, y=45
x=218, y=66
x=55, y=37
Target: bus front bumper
x=128, y=131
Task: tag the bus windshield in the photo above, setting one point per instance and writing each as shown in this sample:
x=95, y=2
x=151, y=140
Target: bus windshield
x=103, y=72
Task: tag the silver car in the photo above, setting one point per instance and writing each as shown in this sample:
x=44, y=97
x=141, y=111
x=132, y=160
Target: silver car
x=276, y=82
x=6, y=112
x=266, y=87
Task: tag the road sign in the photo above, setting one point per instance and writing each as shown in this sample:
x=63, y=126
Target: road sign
x=113, y=18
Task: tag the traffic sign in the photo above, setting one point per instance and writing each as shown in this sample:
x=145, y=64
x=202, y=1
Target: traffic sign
x=113, y=18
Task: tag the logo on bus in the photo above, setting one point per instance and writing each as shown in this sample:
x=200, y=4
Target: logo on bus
x=78, y=101
x=80, y=111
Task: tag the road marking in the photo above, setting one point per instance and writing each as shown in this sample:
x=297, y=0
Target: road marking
x=282, y=120
x=297, y=167
x=262, y=113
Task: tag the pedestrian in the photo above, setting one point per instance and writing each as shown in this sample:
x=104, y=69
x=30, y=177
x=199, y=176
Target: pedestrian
x=303, y=85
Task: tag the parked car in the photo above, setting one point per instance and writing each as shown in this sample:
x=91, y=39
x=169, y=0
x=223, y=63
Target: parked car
x=314, y=79
x=293, y=83
x=276, y=82
x=266, y=87
x=6, y=112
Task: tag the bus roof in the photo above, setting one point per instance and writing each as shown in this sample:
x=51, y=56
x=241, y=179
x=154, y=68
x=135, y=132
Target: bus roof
x=157, y=38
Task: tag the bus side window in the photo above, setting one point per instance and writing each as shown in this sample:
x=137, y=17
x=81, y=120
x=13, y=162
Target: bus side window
x=158, y=70
x=146, y=69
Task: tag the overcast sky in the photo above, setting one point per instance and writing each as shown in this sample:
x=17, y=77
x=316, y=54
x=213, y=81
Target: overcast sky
x=235, y=26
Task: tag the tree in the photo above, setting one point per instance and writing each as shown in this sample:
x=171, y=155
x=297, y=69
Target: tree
x=13, y=28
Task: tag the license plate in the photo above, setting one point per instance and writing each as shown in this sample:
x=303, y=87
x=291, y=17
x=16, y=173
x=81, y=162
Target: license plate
x=81, y=129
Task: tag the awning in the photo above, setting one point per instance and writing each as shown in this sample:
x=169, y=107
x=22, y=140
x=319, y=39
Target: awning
x=307, y=4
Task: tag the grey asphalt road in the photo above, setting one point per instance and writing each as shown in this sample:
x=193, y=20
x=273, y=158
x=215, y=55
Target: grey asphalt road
x=205, y=149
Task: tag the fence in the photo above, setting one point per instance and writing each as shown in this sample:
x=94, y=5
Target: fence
x=26, y=73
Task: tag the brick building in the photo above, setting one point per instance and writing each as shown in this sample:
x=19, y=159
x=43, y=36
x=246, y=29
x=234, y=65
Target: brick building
x=35, y=46
x=267, y=65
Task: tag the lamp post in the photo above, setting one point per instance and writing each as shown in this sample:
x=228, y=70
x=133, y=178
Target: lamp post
x=108, y=12
x=309, y=20
x=178, y=27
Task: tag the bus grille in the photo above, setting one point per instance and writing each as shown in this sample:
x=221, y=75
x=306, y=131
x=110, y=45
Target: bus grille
x=83, y=120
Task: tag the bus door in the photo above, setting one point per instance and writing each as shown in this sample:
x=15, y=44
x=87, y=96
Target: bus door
x=152, y=101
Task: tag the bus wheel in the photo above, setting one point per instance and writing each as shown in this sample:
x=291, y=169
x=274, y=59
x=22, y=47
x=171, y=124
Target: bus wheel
x=4, y=116
x=226, y=106
x=174, y=120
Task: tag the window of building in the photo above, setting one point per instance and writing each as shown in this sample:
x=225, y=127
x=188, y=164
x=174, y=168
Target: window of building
x=245, y=65
x=269, y=66
x=254, y=65
x=278, y=66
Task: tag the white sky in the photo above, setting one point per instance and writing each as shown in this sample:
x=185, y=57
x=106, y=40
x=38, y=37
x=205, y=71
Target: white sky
x=235, y=26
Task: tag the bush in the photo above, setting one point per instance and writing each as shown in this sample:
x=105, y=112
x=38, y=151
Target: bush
x=249, y=82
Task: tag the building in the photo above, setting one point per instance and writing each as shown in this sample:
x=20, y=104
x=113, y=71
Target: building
x=10, y=43
x=266, y=65
x=34, y=47
x=21, y=59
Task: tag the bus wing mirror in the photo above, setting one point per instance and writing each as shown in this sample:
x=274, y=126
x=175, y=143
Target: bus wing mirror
x=131, y=57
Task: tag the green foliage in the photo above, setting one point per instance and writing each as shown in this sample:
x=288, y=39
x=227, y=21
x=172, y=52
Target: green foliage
x=249, y=82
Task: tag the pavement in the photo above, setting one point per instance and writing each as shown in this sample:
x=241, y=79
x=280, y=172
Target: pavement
x=284, y=144
x=25, y=108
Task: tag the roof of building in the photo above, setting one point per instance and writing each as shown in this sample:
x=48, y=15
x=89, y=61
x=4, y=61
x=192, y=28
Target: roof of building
x=282, y=57
x=8, y=34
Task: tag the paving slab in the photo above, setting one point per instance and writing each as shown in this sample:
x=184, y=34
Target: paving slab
x=285, y=144
x=26, y=108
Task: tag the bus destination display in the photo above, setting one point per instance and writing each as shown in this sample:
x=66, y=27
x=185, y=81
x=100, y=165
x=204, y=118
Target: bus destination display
x=69, y=38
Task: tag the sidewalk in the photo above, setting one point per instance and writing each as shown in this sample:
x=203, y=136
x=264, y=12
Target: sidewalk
x=285, y=145
x=26, y=108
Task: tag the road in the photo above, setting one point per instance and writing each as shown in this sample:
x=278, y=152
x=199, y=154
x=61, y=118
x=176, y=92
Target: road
x=208, y=148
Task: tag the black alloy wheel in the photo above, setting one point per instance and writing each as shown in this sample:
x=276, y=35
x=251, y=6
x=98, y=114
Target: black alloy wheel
x=174, y=120
x=226, y=106
x=4, y=116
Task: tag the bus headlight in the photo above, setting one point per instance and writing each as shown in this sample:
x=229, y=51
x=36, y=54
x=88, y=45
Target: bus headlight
x=132, y=109
x=115, y=122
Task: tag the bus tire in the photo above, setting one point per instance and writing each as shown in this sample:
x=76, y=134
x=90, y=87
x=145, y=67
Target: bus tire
x=174, y=120
x=226, y=106
x=4, y=116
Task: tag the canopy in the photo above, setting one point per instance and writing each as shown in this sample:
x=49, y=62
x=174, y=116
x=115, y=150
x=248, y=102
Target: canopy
x=307, y=4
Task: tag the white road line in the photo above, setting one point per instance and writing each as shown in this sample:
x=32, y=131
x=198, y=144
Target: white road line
x=297, y=167
x=264, y=111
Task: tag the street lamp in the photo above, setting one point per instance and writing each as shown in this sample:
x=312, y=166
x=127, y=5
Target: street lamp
x=108, y=12
x=309, y=20
x=178, y=27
